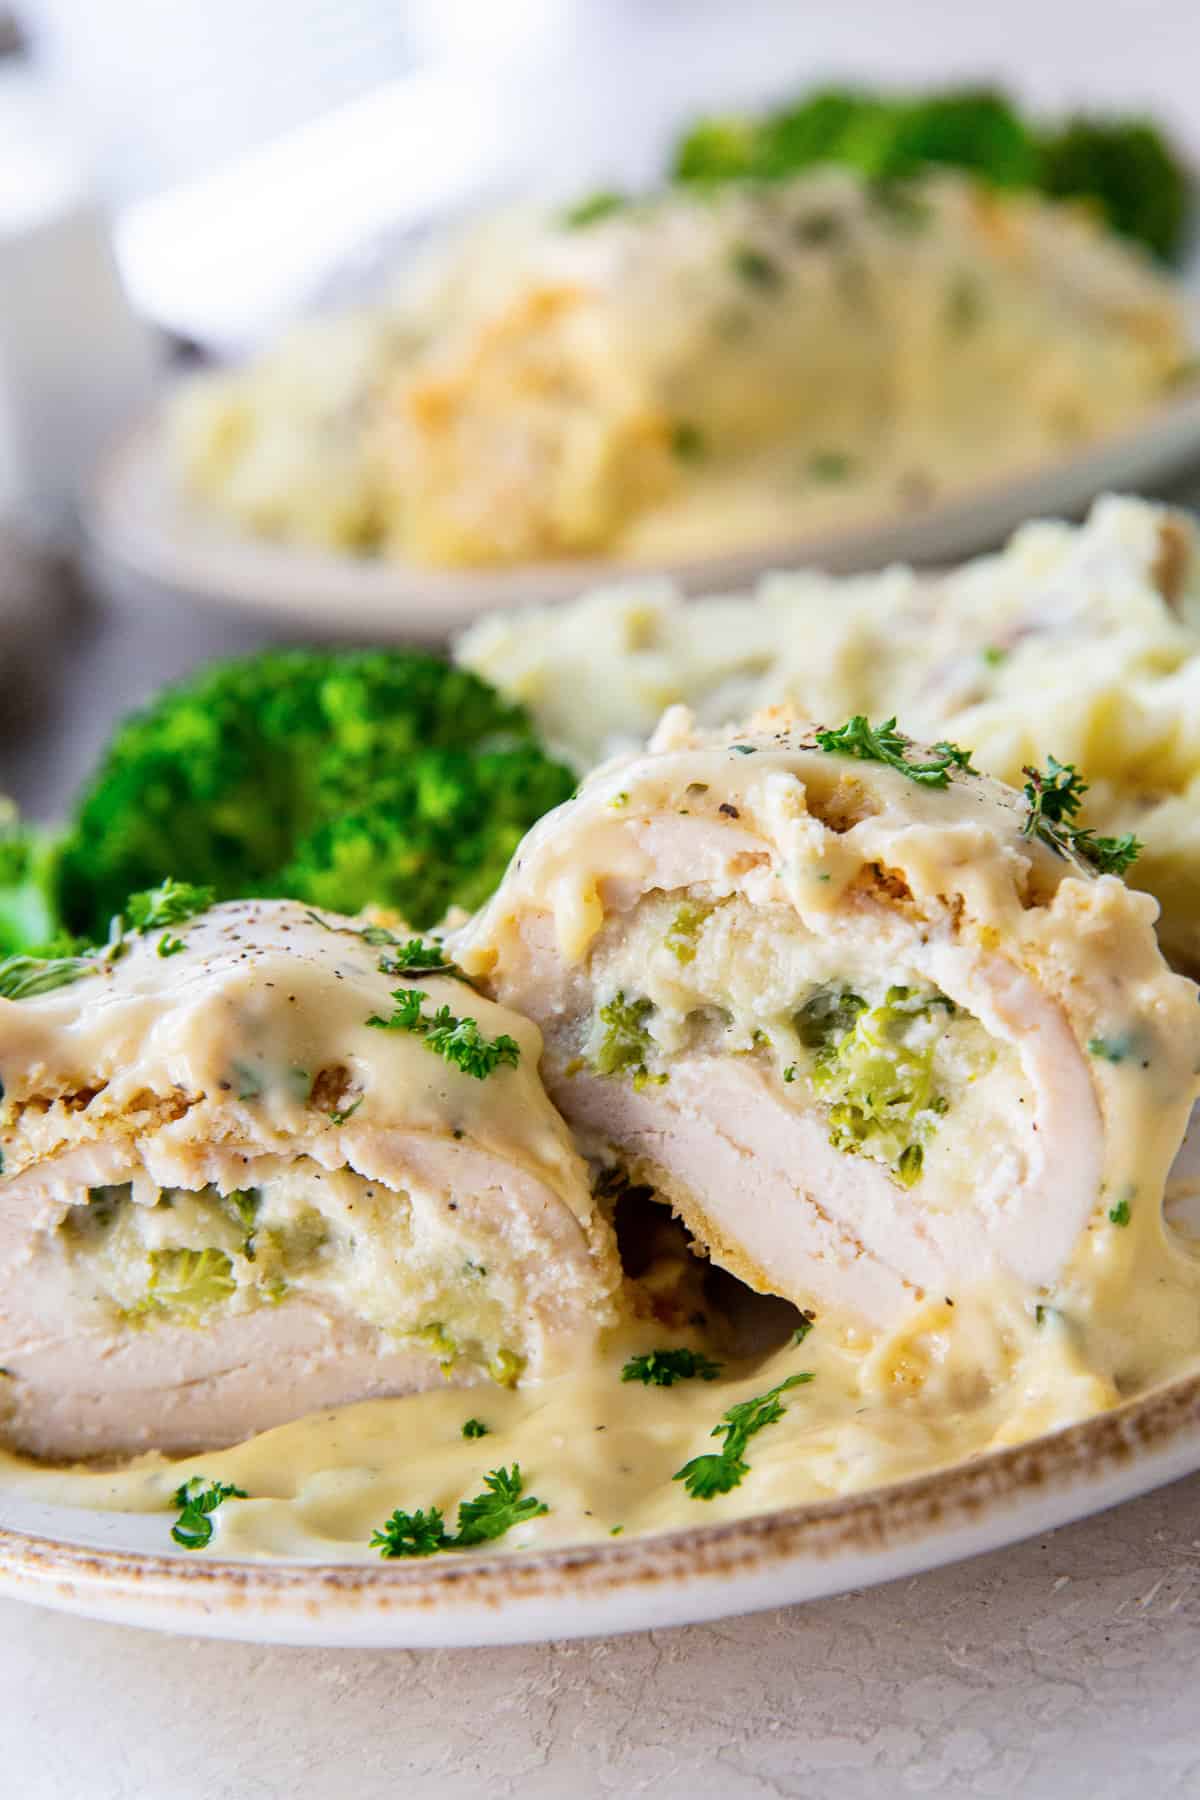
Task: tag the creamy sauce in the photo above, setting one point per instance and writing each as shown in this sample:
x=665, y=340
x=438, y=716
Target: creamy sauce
x=1005, y=1355
x=601, y=1453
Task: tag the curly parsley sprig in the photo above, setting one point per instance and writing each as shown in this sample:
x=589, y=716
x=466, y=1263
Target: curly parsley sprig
x=1054, y=799
x=489, y=1515
x=884, y=744
x=459, y=1041
x=663, y=1368
x=405, y=956
x=721, y=1471
x=198, y=1500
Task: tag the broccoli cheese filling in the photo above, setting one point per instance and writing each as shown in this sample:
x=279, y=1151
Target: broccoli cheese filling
x=886, y=1057
x=331, y=1238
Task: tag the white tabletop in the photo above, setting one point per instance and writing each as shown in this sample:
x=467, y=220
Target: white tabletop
x=1064, y=1669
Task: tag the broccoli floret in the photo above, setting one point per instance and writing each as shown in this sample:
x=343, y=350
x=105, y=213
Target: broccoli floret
x=341, y=778
x=875, y=1067
x=1124, y=166
x=975, y=129
x=831, y=125
x=882, y=136
x=1129, y=171
x=182, y=1284
x=29, y=917
x=624, y=1042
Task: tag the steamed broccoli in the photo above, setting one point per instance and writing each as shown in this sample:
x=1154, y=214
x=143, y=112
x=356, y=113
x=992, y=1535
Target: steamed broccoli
x=342, y=778
x=28, y=872
x=883, y=137
x=1125, y=167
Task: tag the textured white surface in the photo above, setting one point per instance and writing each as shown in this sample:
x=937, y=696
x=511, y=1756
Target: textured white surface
x=1064, y=1669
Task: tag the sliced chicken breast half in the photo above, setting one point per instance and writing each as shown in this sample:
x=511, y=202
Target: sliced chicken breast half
x=244, y=1180
x=873, y=1041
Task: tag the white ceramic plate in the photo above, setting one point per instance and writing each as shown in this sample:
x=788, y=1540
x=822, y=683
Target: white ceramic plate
x=150, y=540
x=121, y=1567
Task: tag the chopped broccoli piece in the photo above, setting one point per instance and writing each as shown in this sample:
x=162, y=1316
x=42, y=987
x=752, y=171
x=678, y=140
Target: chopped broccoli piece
x=341, y=778
x=625, y=1043
x=684, y=929
x=875, y=1066
x=184, y=1283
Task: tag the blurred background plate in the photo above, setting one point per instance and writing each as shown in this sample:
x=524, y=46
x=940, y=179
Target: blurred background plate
x=145, y=535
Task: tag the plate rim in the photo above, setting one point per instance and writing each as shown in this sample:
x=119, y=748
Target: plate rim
x=315, y=588
x=622, y=1584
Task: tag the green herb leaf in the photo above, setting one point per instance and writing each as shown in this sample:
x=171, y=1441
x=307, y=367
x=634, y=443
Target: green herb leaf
x=489, y=1515
x=170, y=903
x=830, y=465
x=457, y=1041
x=754, y=267
x=663, y=1368
x=492, y=1513
x=411, y=1534
x=197, y=1501
x=475, y=1428
x=712, y=1474
x=884, y=744
x=24, y=977
x=1054, y=799
x=594, y=207
x=416, y=957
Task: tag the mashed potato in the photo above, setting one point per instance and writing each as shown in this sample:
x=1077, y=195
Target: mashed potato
x=692, y=373
x=1078, y=642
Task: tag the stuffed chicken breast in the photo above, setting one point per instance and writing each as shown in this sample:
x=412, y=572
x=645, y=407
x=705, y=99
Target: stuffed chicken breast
x=268, y=1161
x=872, y=1022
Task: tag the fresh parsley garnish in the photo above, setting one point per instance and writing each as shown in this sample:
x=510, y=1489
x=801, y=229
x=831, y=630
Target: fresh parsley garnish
x=412, y=1534
x=198, y=1500
x=754, y=266
x=594, y=207
x=830, y=465
x=884, y=744
x=475, y=1428
x=416, y=957
x=490, y=1515
x=720, y=1472
x=1054, y=799
x=1120, y=1213
x=23, y=977
x=459, y=1041
x=407, y=956
x=170, y=903
x=807, y=1321
x=663, y=1368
